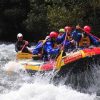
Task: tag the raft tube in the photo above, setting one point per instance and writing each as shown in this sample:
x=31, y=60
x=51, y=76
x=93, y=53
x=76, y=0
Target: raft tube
x=69, y=58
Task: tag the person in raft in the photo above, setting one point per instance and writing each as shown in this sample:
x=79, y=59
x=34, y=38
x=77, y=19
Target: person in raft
x=70, y=42
x=85, y=39
x=66, y=39
x=61, y=36
x=76, y=35
x=49, y=49
x=22, y=45
x=38, y=50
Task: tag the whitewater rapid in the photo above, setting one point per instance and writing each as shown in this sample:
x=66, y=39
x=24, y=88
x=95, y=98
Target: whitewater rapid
x=20, y=86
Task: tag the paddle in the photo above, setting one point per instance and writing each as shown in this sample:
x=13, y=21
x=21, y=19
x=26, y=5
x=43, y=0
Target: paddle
x=59, y=58
x=23, y=47
x=88, y=33
x=47, y=37
x=91, y=35
x=22, y=55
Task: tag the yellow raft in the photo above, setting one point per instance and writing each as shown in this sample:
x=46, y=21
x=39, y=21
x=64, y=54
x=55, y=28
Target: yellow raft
x=69, y=58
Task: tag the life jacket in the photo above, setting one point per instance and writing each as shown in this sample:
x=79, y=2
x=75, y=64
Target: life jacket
x=19, y=45
x=41, y=51
x=85, y=41
x=69, y=37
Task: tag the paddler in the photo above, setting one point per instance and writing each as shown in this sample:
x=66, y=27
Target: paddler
x=38, y=50
x=76, y=35
x=61, y=36
x=49, y=49
x=69, y=44
x=84, y=39
x=93, y=39
x=22, y=45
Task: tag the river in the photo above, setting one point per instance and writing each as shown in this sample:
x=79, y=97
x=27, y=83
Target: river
x=18, y=85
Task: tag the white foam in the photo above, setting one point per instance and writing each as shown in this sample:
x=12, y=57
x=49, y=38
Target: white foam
x=38, y=91
x=13, y=66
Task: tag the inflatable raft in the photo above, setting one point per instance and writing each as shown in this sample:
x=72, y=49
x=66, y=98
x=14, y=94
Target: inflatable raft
x=72, y=58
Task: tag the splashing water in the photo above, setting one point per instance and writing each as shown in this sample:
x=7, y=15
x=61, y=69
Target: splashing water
x=37, y=91
x=20, y=86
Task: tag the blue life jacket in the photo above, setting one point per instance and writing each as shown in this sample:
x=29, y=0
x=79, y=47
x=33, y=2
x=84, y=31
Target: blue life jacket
x=47, y=48
x=37, y=48
x=76, y=35
x=61, y=38
x=67, y=43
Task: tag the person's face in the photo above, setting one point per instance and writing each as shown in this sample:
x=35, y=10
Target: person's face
x=68, y=31
x=53, y=39
x=20, y=38
x=60, y=33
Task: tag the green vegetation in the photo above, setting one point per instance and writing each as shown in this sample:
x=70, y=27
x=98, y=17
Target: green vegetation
x=36, y=18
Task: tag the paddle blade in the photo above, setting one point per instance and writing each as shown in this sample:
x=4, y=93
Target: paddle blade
x=24, y=56
x=59, y=60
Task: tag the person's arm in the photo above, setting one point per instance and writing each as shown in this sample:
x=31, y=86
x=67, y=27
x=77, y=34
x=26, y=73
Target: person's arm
x=37, y=48
x=50, y=50
x=26, y=43
x=76, y=35
x=94, y=40
x=61, y=38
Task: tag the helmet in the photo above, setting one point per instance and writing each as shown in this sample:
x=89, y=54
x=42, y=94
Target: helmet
x=68, y=28
x=53, y=34
x=19, y=35
x=87, y=29
x=62, y=30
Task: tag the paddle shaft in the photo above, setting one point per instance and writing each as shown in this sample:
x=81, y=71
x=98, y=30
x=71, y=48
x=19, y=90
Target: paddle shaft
x=94, y=36
x=90, y=34
x=59, y=58
x=23, y=47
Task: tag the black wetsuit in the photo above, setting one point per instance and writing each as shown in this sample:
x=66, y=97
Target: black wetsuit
x=19, y=45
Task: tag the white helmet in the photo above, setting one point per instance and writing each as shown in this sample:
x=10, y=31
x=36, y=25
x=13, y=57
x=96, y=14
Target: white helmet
x=19, y=35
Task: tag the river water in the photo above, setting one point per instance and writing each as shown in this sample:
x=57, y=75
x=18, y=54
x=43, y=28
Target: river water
x=18, y=85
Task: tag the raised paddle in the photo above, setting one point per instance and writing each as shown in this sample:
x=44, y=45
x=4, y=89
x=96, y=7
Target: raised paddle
x=59, y=58
x=23, y=46
x=91, y=34
x=88, y=33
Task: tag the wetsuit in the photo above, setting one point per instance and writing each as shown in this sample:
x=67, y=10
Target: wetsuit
x=47, y=49
x=19, y=45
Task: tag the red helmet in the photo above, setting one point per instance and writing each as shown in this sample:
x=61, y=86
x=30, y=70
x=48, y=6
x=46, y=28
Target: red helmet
x=53, y=34
x=87, y=29
x=68, y=28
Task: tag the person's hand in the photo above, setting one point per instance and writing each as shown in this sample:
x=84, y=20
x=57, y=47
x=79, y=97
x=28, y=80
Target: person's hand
x=59, y=46
x=62, y=48
x=78, y=27
x=40, y=55
x=72, y=41
x=26, y=43
x=19, y=51
x=99, y=40
x=47, y=37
